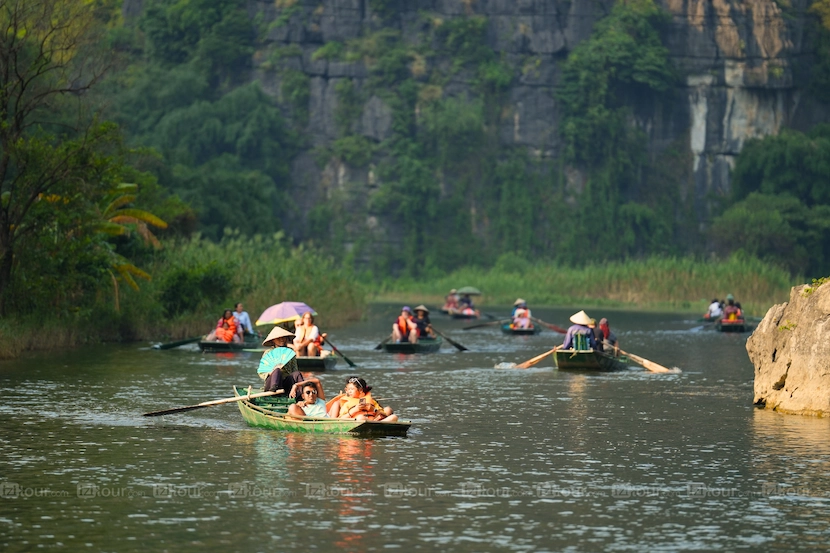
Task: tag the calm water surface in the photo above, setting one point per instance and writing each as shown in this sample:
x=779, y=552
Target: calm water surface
x=496, y=460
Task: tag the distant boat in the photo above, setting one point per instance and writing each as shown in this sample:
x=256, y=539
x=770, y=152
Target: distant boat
x=589, y=360
x=734, y=325
x=423, y=345
x=252, y=341
x=508, y=329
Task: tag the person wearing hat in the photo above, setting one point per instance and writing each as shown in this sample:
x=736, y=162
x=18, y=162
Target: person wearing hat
x=278, y=366
x=731, y=311
x=579, y=333
x=404, y=328
x=521, y=314
x=516, y=306
x=450, y=302
x=422, y=322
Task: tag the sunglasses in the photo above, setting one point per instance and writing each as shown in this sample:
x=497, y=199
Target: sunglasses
x=309, y=391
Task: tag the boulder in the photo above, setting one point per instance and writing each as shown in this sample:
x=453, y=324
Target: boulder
x=791, y=354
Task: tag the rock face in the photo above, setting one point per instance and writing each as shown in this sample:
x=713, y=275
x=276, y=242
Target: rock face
x=791, y=354
x=737, y=58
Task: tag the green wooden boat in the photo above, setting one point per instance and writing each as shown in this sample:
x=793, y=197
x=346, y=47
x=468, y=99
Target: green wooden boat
x=424, y=345
x=252, y=341
x=589, y=360
x=736, y=325
x=317, y=363
x=271, y=412
x=507, y=329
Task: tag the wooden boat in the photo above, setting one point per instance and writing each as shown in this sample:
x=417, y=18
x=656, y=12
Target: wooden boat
x=588, y=360
x=252, y=341
x=424, y=345
x=507, y=329
x=461, y=315
x=316, y=363
x=734, y=325
x=271, y=412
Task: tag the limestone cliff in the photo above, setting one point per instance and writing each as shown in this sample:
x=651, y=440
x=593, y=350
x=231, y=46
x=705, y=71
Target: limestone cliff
x=736, y=58
x=791, y=354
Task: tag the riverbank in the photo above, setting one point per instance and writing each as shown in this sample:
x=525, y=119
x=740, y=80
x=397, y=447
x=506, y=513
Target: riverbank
x=666, y=284
x=194, y=280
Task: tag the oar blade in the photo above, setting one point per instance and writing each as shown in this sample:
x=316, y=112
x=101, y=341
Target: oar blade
x=172, y=411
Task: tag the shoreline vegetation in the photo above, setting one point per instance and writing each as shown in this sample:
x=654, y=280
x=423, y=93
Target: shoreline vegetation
x=194, y=280
x=656, y=283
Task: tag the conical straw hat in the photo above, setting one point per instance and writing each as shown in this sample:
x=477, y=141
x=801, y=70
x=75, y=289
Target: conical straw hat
x=581, y=318
x=276, y=332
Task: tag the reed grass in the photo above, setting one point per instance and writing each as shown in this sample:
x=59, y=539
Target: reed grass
x=678, y=284
x=264, y=270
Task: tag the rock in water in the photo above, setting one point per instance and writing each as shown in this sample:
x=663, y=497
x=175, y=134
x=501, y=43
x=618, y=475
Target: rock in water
x=791, y=354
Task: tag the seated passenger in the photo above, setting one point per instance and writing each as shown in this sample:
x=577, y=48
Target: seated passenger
x=357, y=403
x=521, y=316
x=731, y=311
x=608, y=337
x=278, y=366
x=225, y=330
x=308, y=342
x=310, y=399
x=404, y=329
x=579, y=332
x=422, y=322
x=451, y=301
x=243, y=321
x=466, y=307
x=715, y=310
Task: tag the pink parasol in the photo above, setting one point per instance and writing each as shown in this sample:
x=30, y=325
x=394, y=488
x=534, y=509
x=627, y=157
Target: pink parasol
x=284, y=312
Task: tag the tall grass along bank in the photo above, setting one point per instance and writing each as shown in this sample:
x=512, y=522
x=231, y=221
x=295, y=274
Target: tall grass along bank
x=194, y=280
x=655, y=283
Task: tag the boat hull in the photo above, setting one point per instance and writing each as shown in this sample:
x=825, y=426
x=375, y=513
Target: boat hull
x=424, y=345
x=316, y=363
x=459, y=315
x=588, y=360
x=251, y=342
x=271, y=413
x=507, y=329
x=737, y=325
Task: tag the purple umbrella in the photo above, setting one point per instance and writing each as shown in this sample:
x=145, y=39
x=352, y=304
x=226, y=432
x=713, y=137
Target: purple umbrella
x=283, y=312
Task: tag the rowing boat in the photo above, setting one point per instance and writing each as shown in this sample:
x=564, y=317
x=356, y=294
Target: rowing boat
x=462, y=315
x=252, y=341
x=423, y=345
x=271, y=412
x=507, y=328
x=316, y=363
x=588, y=360
x=733, y=325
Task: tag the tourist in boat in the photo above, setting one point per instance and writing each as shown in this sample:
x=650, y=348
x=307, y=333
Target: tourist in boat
x=422, y=322
x=278, y=366
x=225, y=330
x=466, y=307
x=608, y=337
x=715, y=310
x=404, y=328
x=597, y=334
x=521, y=315
x=731, y=311
x=357, y=403
x=243, y=321
x=450, y=302
x=311, y=401
x=579, y=334
x=308, y=342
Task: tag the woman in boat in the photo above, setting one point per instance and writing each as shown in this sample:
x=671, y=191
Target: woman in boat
x=578, y=332
x=422, y=322
x=450, y=302
x=225, y=330
x=311, y=401
x=521, y=315
x=243, y=321
x=731, y=311
x=278, y=366
x=608, y=337
x=308, y=342
x=466, y=307
x=715, y=310
x=404, y=329
x=357, y=403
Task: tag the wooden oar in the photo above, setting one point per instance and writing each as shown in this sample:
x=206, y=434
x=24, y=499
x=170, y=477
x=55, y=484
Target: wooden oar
x=171, y=345
x=211, y=403
x=338, y=352
x=650, y=365
x=530, y=362
x=479, y=325
x=380, y=345
x=450, y=340
x=553, y=327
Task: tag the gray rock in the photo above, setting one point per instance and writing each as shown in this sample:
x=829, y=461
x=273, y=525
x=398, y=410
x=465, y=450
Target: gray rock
x=791, y=354
x=376, y=120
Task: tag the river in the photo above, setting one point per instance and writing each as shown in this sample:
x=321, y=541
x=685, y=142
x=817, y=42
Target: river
x=496, y=459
